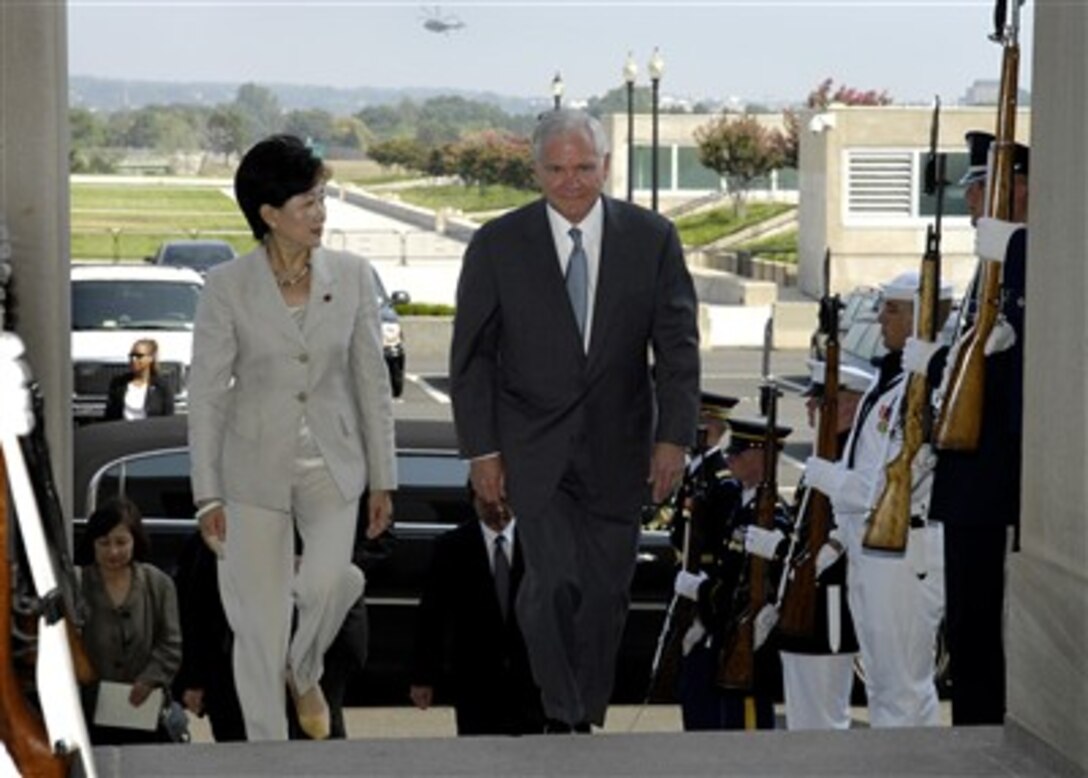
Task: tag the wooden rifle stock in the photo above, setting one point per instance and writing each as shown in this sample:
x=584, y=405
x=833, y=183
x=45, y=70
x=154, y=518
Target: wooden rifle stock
x=889, y=522
x=959, y=424
x=21, y=728
x=797, y=615
x=737, y=662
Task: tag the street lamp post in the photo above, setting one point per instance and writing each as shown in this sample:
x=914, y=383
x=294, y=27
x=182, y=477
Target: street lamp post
x=630, y=72
x=657, y=69
x=557, y=90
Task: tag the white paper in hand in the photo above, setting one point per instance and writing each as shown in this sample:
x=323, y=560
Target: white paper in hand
x=114, y=710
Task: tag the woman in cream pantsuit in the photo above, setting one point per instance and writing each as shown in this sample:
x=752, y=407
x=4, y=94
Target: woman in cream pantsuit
x=290, y=419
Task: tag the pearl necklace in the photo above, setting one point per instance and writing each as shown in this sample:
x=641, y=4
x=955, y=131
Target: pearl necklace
x=292, y=280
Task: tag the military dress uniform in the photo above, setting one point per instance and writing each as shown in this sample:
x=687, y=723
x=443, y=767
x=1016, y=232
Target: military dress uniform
x=897, y=600
x=976, y=494
x=722, y=598
x=818, y=668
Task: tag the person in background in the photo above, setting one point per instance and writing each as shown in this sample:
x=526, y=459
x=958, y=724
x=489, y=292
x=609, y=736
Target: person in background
x=131, y=630
x=818, y=669
x=468, y=644
x=976, y=494
x=561, y=305
x=140, y=392
x=290, y=420
x=721, y=590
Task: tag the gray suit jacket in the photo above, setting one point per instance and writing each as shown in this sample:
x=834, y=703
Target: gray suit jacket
x=522, y=384
x=254, y=372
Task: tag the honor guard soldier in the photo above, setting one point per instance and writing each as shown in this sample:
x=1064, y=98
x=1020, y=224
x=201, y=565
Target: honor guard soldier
x=721, y=591
x=896, y=599
x=818, y=669
x=976, y=493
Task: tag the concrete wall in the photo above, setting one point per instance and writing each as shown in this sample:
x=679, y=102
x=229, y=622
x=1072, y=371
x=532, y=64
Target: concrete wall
x=34, y=203
x=869, y=250
x=1048, y=579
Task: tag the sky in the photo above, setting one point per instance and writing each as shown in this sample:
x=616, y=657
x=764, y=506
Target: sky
x=754, y=50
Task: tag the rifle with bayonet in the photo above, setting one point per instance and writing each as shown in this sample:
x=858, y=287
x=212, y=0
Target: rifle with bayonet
x=889, y=522
x=959, y=423
x=737, y=661
x=797, y=613
x=690, y=508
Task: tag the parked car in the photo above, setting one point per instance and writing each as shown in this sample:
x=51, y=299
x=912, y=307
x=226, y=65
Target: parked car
x=200, y=255
x=392, y=335
x=148, y=461
x=117, y=304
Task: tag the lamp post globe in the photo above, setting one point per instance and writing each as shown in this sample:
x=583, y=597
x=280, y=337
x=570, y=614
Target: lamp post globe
x=557, y=90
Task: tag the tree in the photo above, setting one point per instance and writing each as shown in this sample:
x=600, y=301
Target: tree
x=314, y=125
x=261, y=109
x=739, y=149
x=227, y=131
x=399, y=152
x=819, y=99
x=494, y=157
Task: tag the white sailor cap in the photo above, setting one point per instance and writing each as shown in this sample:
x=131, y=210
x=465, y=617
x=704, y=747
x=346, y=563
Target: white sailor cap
x=905, y=286
x=851, y=378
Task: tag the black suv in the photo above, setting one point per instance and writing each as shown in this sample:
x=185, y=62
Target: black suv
x=148, y=461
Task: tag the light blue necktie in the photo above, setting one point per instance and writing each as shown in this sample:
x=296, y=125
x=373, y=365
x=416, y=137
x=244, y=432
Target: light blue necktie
x=578, y=279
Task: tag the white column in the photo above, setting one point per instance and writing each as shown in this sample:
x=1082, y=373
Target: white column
x=1048, y=582
x=34, y=202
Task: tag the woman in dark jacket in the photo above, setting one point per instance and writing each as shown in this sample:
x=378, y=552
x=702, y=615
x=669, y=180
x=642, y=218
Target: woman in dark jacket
x=140, y=392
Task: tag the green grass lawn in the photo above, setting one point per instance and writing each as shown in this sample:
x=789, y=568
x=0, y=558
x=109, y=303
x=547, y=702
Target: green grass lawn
x=469, y=199
x=782, y=247
x=129, y=222
x=705, y=227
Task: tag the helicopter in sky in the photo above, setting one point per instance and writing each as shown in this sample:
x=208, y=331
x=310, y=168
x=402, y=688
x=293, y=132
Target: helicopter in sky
x=435, y=21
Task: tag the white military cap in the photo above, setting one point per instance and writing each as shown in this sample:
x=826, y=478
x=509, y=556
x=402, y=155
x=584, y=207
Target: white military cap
x=905, y=285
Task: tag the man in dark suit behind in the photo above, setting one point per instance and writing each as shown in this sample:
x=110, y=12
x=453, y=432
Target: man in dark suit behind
x=468, y=644
x=558, y=408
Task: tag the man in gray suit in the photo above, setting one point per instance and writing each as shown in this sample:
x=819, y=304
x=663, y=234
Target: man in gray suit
x=558, y=406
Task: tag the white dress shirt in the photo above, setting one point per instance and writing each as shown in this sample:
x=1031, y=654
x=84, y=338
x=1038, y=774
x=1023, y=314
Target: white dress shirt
x=592, y=228
x=508, y=546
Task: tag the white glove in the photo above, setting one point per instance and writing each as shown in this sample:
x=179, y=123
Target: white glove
x=762, y=542
x=687, y=584
x=695, y=633
x=765, y=621
x=992, y=238
x=917, y=355
x=1002, y=338
x=824, y=475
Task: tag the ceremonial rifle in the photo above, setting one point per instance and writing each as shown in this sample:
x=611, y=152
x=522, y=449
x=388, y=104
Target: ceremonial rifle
x=797, y=613
x=737, y=661
x=21, y=728
x=889, y=522
x=56, y=678
x=38, y=462
x=690, y=508
x=959, y=424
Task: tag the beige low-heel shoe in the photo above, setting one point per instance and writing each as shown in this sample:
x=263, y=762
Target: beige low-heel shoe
x=312, y=710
